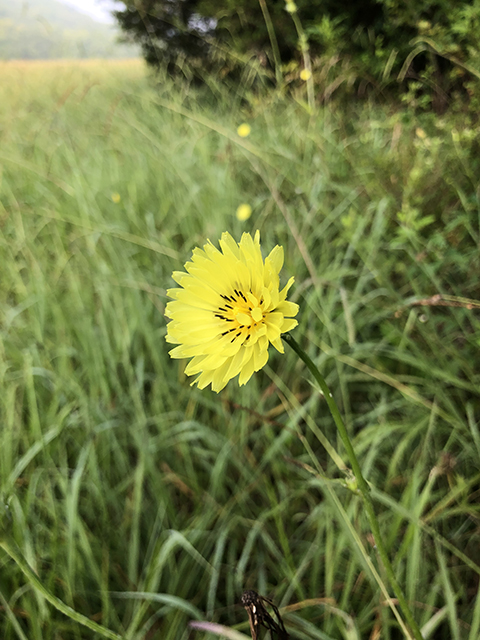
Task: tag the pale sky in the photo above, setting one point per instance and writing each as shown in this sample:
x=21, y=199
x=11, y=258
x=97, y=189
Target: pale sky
x=96, y=9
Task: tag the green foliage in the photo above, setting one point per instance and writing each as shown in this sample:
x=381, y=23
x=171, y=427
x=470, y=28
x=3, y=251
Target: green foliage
x=165, y=30
x=442, y=56
x=46, y=29
x=144, y=503
x=427, y=51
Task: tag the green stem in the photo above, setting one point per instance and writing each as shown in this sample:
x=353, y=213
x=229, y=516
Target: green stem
x=16, y=555
x=307, y=63
x=361, y=484
x=273, y=41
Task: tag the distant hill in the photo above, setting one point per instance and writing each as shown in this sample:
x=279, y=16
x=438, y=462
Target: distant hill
x=47, y=29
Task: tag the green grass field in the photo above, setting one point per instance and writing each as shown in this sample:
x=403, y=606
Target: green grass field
x=144, y=503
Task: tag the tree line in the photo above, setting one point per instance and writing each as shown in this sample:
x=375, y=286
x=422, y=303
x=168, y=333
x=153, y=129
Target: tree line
x=431, y=44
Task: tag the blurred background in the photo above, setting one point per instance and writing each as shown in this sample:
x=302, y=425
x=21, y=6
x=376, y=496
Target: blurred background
x=60, y=29
x=348, y=133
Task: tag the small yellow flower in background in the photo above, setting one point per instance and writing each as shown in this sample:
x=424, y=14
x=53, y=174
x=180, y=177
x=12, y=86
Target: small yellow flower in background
x=305, y=74
x=291, y=7
x=424, y=25
x=244, y=211
x=244, y=130
x=116, y=198
x=228, y=311
x=420, y=133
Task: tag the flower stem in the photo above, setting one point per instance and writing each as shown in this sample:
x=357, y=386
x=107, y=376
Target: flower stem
x=273, y=41
x=361, y=484
x=307, y=63
x=16, y=555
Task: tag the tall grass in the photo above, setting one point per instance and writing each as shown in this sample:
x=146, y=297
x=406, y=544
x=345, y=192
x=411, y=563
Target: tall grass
x=144, y=503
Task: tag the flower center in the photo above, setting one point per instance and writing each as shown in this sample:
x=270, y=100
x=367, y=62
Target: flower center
x=243, y=311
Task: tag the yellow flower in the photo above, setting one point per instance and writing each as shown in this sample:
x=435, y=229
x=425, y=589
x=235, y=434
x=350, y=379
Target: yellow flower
x=244, y=211
x=305, y=74
x=116, y=198
x=244, y=130
x=228, y=310
x=420, y=133
x=424, y=25
x=291, y=7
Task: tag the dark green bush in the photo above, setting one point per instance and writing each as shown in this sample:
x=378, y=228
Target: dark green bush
x=428, y=52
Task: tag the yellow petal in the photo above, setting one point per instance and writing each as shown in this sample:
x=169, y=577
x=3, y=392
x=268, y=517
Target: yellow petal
x=287, y=308
x=275, y=258
x=288, y=325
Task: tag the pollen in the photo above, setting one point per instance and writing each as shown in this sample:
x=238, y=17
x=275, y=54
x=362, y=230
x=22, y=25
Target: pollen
x=246, y=312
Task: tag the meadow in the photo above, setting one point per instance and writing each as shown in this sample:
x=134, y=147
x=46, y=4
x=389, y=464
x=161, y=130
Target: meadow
x=144, y=503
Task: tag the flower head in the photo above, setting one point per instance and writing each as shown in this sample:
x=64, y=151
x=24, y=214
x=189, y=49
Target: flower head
x=244, y=130
x=228, y=310
x=244, y=211
x=420, y=133
x=305, y=74
x=116, y=197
